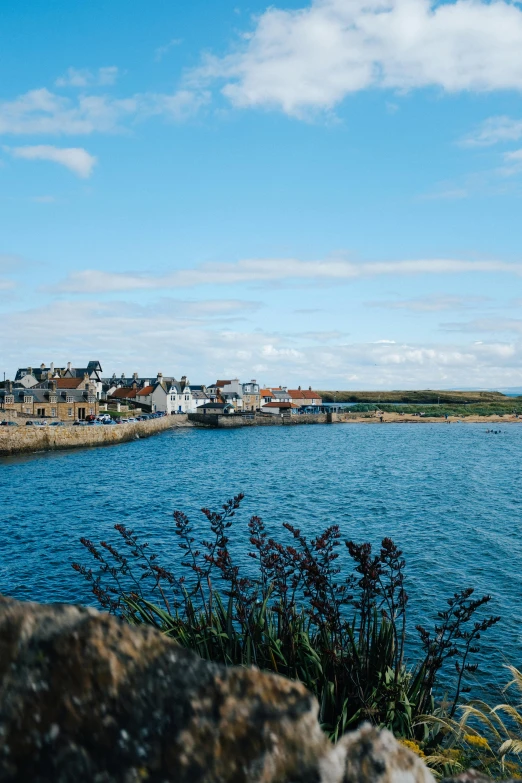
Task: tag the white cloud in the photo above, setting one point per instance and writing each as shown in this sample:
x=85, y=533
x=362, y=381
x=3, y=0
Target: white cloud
x=513, y=164
x=6, y=285
x=273, y=270
x=512, y=325
x=127, y=336
x=43, y=199
x=44, y=112
x=161, y=51
x=76, y=159
x=311, y=58
x=179, y=106
x=85, y=77
x=205, y=309
x=452, y=194
x=430, y=304
x=10, y=262
x=495, y=130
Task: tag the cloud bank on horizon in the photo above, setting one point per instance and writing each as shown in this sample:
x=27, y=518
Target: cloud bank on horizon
x=326, y=192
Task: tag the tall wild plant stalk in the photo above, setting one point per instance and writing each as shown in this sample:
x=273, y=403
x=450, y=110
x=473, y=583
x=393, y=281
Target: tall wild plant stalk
x=293, y=612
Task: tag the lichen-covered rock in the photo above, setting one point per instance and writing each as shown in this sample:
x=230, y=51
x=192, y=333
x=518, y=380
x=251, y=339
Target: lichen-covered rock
x=84, y=697
x=375, y=756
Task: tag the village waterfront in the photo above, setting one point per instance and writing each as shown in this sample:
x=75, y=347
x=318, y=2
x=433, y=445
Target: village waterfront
x=448, y=496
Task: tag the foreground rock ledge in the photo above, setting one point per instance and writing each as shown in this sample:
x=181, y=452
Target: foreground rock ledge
x=84, y=697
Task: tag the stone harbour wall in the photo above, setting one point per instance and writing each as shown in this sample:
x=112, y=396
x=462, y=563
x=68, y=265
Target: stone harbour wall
x=258, y=420
x=16, y=440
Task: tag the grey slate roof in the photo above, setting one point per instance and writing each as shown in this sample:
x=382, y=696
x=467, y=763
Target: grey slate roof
x=74, y=372
x=43, y=395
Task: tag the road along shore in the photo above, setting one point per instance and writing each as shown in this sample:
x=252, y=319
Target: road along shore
x=17, y=440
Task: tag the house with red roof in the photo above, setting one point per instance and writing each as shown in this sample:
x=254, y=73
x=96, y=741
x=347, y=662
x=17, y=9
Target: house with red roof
x=305, y=398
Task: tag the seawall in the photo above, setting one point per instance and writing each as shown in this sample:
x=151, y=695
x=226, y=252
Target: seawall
x=16, y=440
x=256, y=420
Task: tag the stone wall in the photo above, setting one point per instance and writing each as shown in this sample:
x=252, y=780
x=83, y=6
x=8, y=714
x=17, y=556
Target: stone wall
x=15, y=440
x=8, y=415
x=261, y=420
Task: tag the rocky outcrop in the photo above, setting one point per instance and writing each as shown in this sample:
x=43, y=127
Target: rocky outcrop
x=84, y=697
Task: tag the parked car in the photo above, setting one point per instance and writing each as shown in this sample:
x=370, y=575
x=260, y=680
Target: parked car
x=29, y=423
x=9, y=424
x=57, y=424
x=108, y=421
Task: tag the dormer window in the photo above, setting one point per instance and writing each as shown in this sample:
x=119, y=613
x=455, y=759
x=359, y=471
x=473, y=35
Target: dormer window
x=9, y=399
x=92, y=398
x=28, y=399
x=69, y=398
x=53, y=398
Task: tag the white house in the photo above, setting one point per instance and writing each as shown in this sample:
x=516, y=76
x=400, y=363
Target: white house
x=279, y=408
x=281, y=394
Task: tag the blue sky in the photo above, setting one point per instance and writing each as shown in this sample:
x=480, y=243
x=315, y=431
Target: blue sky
x=324, y=193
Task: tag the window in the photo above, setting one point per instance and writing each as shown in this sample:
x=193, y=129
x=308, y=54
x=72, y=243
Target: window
x=91, y=399
x=91, y=411
x=187, y=397
x=9, y=399
x=69, y=398
x=53, y=398
x=53, y=411
x=28, y=399
x=69, y=411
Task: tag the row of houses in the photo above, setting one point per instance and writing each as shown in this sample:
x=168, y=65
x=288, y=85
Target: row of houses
x=66, y=399
x=172, y=396
x=70, y=393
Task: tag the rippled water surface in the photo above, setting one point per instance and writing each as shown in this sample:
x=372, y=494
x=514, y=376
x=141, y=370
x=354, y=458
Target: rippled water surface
x=450, y=496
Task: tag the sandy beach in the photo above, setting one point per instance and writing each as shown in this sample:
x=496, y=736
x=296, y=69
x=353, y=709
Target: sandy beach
x=408, y=418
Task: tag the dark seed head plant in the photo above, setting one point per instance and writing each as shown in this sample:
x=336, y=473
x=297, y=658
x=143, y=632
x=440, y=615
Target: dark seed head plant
x=293, y=612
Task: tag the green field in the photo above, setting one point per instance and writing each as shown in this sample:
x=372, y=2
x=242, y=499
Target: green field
x=424, y=396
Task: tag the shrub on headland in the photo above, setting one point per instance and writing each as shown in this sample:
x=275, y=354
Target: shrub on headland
x=343, y=635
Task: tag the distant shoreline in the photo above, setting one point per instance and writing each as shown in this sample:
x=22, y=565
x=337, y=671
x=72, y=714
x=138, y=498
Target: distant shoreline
x=15, y=441
x=414, y=397
x=397, y=418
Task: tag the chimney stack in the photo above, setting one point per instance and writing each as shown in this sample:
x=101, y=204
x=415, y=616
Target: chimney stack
x=52, y=385
x=68, y=365
x=8, y=387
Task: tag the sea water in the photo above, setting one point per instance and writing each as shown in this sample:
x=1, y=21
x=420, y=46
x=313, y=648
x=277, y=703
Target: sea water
x=449, y=496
